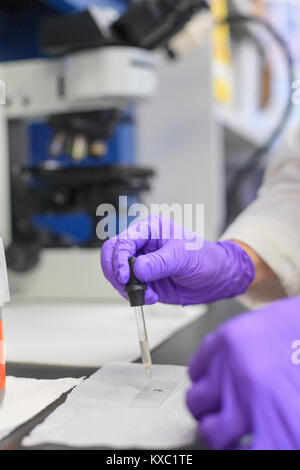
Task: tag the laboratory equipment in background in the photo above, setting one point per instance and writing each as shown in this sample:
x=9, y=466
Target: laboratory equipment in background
x=71, y=140
x=253, y=71
x=75, y=75
x=224, y=159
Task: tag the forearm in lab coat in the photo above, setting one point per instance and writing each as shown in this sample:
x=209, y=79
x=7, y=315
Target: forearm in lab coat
x=271, y=225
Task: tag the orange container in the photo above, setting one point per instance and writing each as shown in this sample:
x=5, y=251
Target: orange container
x=2, y=362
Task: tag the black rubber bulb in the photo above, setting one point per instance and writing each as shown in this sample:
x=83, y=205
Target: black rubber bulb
x=134, y=288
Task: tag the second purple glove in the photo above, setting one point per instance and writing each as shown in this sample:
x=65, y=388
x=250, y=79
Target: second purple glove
x=176, y=265
x=245, y=376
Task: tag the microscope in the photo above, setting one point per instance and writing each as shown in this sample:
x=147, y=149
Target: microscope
x=74, y=73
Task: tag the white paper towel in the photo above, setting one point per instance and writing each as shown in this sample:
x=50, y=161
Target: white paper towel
x=117, y=408
x=25, y=398
x=85, y=334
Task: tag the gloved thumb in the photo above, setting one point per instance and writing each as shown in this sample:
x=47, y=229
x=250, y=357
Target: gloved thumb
x=155, y=266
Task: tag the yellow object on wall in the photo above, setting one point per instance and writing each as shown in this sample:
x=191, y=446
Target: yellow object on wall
x=222, y=58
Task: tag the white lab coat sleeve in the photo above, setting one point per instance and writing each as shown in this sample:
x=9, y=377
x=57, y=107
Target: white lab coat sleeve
x=271, y=224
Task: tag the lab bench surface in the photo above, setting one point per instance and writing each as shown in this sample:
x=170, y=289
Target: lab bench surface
x=176, y=350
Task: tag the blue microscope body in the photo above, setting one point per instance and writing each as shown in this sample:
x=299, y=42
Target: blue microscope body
x=19, y=31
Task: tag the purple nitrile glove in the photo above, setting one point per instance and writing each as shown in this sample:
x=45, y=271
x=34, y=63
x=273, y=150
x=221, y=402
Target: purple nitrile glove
x=177, y=266
x=246, y=380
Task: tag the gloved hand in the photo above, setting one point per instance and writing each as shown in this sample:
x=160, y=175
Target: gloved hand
x=176, y=265
x=246, y=380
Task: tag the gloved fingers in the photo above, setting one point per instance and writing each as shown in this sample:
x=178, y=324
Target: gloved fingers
x=166, y=291
x=225, y=428
x=107, y=267
x=155, y=266
x=205, y=395
x=202, y=398
x=107, y=254
x=200, y=362
x=128, y=244
x=106, y=260
x=107, y=263
x=222, y=430
x=151, y=296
